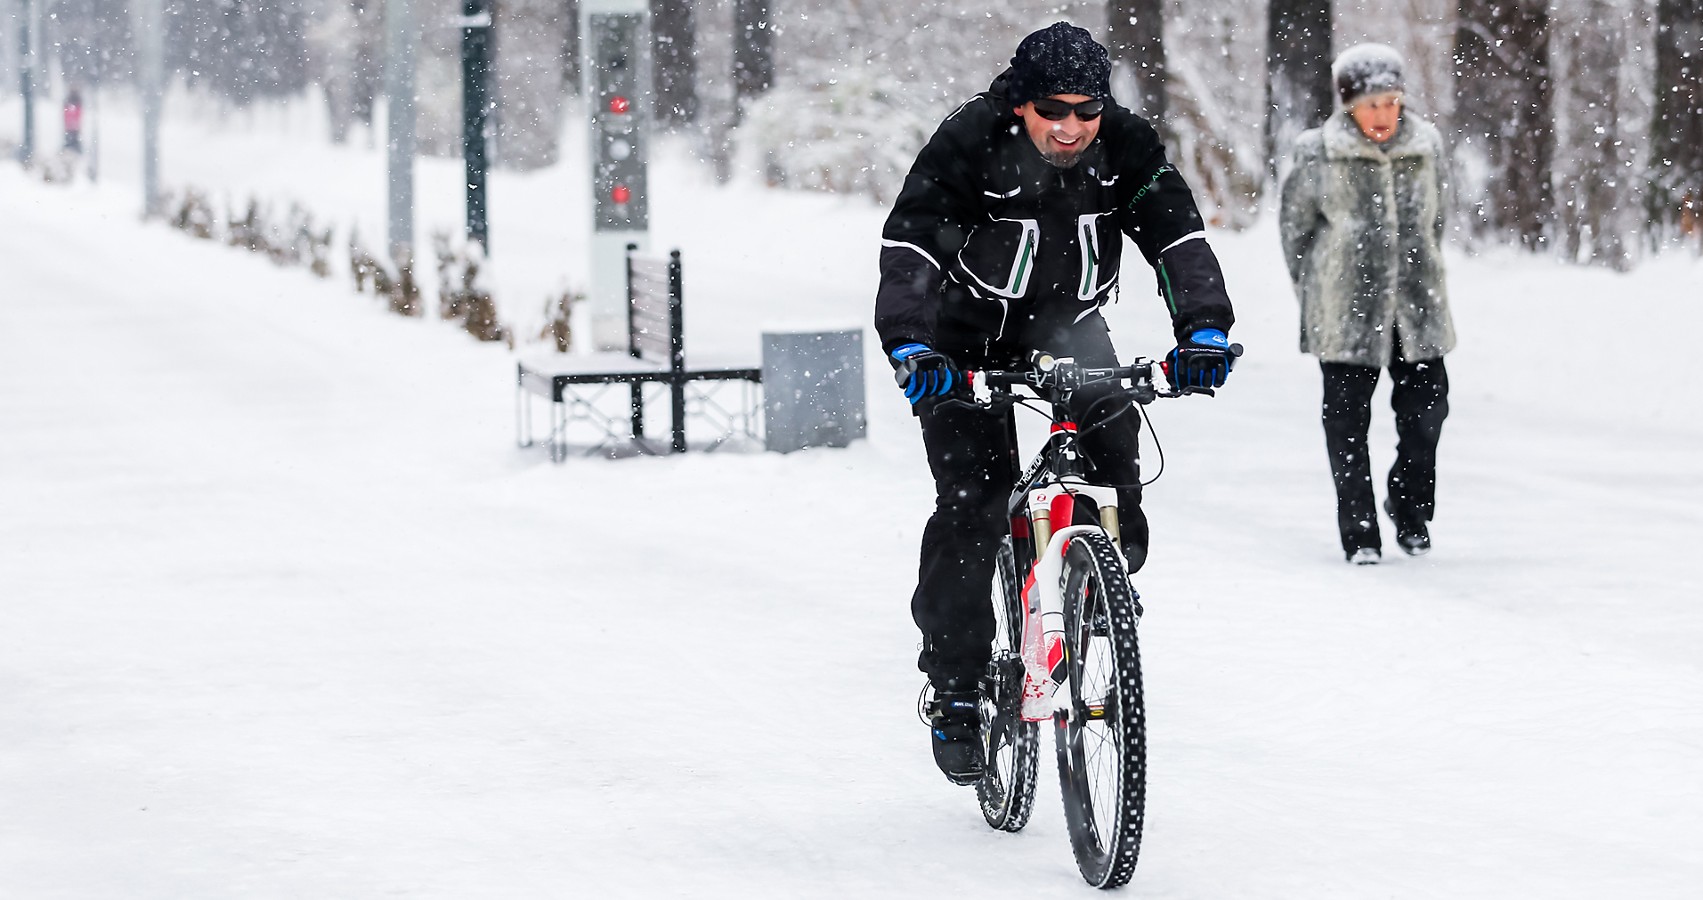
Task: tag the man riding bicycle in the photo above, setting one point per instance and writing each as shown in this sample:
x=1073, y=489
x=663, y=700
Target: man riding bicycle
x=1005, y=240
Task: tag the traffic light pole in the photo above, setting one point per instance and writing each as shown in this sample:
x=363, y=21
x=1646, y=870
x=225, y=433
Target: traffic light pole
x=617, y=72
x=475, y=113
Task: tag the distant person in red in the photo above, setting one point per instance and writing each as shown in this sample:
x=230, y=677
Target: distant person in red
x=74, y=121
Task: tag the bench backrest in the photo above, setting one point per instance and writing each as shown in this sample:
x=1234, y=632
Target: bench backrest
x=655, y=324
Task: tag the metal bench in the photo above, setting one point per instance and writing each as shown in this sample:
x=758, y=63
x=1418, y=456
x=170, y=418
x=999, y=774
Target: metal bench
x=656, y=355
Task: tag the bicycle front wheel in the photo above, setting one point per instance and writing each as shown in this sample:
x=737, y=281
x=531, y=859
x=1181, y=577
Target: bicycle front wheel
x=1102, y=738
x=1007, y=788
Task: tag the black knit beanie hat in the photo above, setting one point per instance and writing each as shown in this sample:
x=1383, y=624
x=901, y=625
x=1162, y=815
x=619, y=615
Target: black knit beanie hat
x=1366, y=69
x=1059, y=59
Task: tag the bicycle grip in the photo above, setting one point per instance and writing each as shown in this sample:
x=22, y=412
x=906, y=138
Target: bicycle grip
x=1165, y=365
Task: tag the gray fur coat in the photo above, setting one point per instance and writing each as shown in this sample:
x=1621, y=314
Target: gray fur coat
x=1362, y=228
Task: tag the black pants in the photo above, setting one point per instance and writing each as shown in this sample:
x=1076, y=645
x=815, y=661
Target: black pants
x=1421, y=402
x=970, y=457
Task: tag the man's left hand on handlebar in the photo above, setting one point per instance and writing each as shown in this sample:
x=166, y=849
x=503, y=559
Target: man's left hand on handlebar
x=1203, y=360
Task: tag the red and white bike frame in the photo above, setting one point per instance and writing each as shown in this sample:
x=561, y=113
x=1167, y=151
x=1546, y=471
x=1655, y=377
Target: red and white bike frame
x=1046, y=690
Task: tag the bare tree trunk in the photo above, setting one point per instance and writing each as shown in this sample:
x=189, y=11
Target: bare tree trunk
x=753, y=50
x=674, y=64
x=1676, y=129
x=1592, y=164
x=1298, y=90
x=1137, y=45
x=571, y=49
x=1504, y=145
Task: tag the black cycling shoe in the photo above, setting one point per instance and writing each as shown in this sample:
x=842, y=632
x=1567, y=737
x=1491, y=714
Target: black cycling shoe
x=955, y=731
x=1413, y=538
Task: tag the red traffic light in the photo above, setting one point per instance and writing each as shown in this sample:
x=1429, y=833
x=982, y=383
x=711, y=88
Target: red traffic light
x=619, y=105
x=621, y=194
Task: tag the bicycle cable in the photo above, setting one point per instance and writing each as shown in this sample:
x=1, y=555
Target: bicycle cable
x=1145, y=416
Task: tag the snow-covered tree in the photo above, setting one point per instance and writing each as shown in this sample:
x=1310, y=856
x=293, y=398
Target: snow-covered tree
x=529, y=48
x=753, y=47
x=345, y=48
x=674, y=61
x=1593, y=161
x=859, y=85
x=1215, y=97
x=1504, y=138
x=1136, y=38
x=1298, y=88
x=240, y=50
x=1676, y=127
x=90, y=38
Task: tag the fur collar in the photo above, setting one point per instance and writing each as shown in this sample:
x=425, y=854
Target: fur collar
x=1415, y=137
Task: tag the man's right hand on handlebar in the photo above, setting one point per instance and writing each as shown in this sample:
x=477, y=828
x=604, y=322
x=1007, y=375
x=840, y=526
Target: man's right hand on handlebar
x=1204, y=360
x=924, y=372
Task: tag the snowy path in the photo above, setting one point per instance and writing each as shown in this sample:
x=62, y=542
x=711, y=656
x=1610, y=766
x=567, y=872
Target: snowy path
x=282, y=613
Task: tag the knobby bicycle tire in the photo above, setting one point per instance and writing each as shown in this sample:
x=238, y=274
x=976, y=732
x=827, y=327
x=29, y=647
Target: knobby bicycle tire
x=1102, y=741
x=1007, y=789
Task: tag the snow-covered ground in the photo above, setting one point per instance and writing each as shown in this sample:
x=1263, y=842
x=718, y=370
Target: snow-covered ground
x=283, y=611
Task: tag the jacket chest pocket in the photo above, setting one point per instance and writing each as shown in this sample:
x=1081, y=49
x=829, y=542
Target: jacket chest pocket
x=1000, y=255
x=1099, y=246
x=1046, y=235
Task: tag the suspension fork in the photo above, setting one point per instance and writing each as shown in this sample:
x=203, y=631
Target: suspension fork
x=1022, y=539
x=1066, y=464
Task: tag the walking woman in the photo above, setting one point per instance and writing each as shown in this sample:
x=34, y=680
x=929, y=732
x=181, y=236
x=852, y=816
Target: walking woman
x=1362, y=228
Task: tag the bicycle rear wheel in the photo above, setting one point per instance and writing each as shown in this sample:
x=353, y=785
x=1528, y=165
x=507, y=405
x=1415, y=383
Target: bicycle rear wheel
x=1102, y=740
x=1007, y=788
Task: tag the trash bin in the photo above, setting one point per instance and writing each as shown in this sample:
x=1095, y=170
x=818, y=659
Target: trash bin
x=813, y=392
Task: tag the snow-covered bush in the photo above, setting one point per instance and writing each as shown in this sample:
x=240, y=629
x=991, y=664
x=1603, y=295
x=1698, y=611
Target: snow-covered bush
x=190, y=213
x=56, y=168
x=558, y=315
x=462, y=291
x=247, y=230
x=395, y=286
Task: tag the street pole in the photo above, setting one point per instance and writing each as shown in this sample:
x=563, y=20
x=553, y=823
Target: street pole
x=151, y=35
x=26, y=62
x=615, y=37
x=399, y=89
x=475, y=113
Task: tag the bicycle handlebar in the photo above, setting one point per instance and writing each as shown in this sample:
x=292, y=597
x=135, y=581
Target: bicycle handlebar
x=1045, y=372
x=1048, y=373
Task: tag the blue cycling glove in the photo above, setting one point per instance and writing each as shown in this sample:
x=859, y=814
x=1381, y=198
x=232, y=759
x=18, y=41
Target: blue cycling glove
x=1202, y=361
x=924, y=372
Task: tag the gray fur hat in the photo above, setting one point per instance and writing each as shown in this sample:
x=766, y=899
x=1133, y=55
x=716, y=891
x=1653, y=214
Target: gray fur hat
x=1366, y=69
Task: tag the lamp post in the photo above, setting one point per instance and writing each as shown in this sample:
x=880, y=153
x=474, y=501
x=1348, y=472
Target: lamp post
x=475, y=113
x=151, y=35
x=399, y=128
x=26, y=63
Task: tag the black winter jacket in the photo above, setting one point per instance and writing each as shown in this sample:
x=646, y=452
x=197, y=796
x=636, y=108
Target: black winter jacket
x=988, y=244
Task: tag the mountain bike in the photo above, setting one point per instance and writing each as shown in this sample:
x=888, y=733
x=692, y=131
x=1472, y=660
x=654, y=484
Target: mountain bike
x=1065, y=645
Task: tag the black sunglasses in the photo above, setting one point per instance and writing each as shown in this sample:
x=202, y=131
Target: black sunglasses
x=1056, y=110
